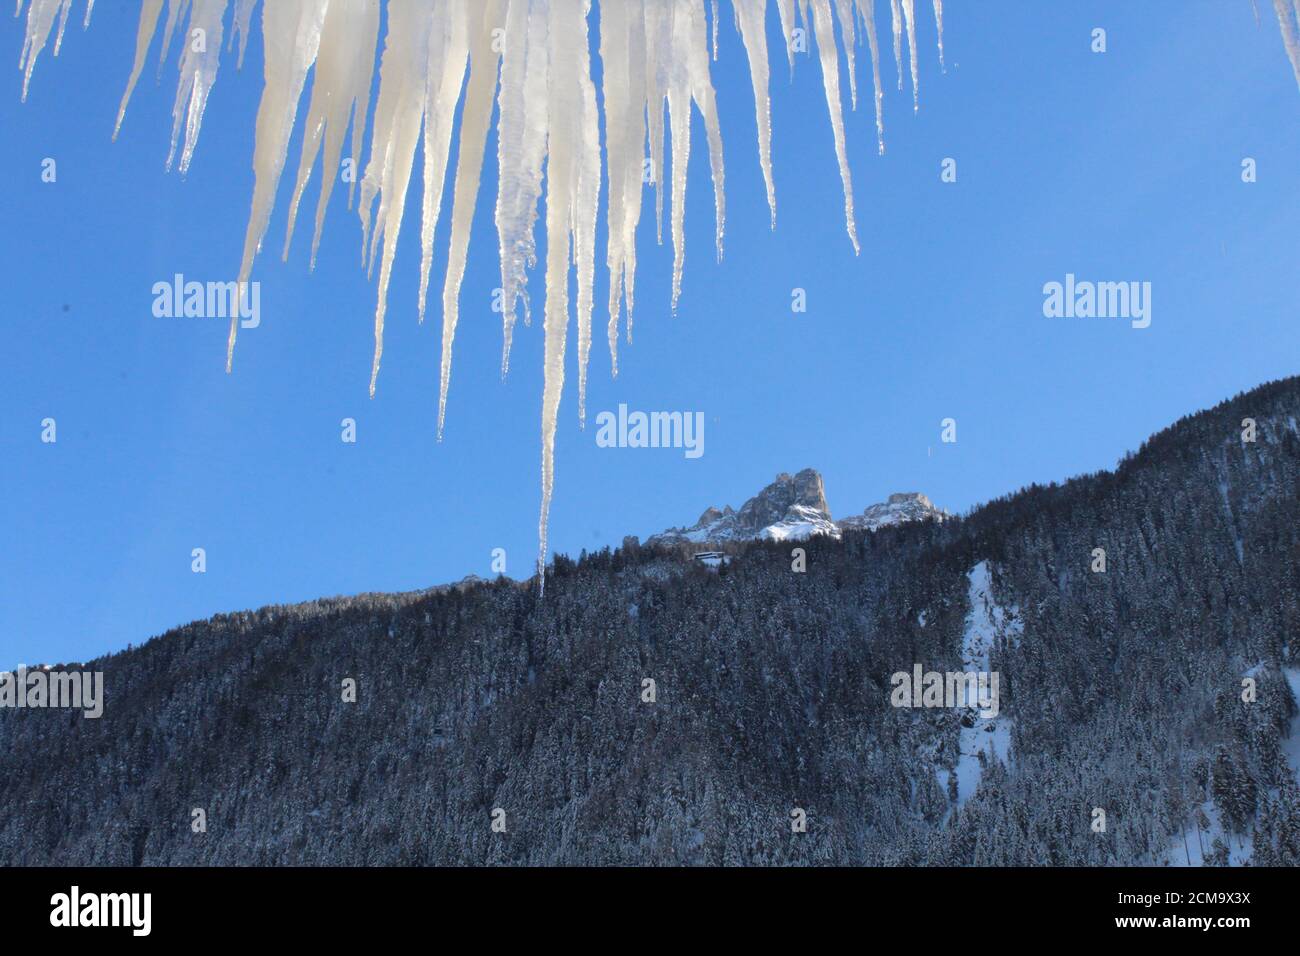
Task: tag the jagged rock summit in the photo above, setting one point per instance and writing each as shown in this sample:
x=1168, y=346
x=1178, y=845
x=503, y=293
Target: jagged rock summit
x=793, y=508
x=901, y=507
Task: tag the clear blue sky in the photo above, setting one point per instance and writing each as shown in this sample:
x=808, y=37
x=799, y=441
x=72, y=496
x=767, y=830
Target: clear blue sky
x=1117, y=166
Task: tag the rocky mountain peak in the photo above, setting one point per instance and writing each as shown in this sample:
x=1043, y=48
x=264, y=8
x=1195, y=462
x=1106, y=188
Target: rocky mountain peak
x=793, y=507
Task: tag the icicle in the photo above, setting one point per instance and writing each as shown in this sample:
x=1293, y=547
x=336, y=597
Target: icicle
x=658, y=42
x=561, y=181
x=938, y=22
x=175, y=10
x=1288, y=35
x=399, y=112
x=909, y=14
x=291, y=37
x=64, y=10
x=521, y=148
x=752, y=20
x=688, y=80
x=448, y=59
x=149, y=12
x=679, y=126
x=703, y=95
x=713, y=20
x=344, y=71
x=785, y=8
x=844, y=11
x=623, y=69
x=656, y=69
x=585, y=204
x=867, y=8
x=200, y=58
x=485, y=16
x=896, y=22
x=40, y=21
x=243, y=19
x=825, y=32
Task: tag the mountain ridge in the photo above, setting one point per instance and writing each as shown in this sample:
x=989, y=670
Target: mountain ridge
x=1121, y=689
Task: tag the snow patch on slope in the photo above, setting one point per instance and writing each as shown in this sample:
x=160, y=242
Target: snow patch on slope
x=1197, y=842
x=986, y=623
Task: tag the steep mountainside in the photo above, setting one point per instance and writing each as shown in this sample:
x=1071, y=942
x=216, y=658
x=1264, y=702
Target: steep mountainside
x=1154, y=690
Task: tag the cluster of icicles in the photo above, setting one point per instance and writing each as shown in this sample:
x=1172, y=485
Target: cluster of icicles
x=533, y=56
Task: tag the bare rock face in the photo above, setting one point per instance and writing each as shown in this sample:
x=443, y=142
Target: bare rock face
x=793, y=508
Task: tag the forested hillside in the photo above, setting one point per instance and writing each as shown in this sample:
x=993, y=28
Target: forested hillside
x=1121, y=691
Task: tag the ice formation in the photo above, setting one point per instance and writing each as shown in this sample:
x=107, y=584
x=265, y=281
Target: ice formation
x=529, y=61
x=1287, y=17
x=533, y=57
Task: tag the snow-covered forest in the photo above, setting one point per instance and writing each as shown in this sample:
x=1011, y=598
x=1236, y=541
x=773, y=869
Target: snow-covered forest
x=1122, y=691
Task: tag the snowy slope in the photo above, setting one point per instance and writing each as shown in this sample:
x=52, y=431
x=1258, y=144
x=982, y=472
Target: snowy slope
x=986, y=623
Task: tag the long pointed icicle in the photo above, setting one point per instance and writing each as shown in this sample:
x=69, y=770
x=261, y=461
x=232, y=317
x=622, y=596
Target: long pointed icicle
x=40, y=21
x=714, y=20
x=752, y=19
x=909, y=14
x=585, y=203
x=896, y=24
x=830, y=61
x=703, y=95
x=689, y=82
x=448, y=60
x=844, y=12
x=200, y=58
x=561, y=182
x=243, y=20
x=149, y=13
x=484, y=59
x=399, y=114
x=291, y=36
x=344, y=71
x=785, y=9
x=623, y=72
x=175, y=9
x=679, y=129
x=658, y=41
x=521, y=149
x=868, y=10
x=938, y=23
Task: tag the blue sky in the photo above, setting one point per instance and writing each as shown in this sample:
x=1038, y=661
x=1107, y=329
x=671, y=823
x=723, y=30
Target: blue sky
x=1116, y=166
